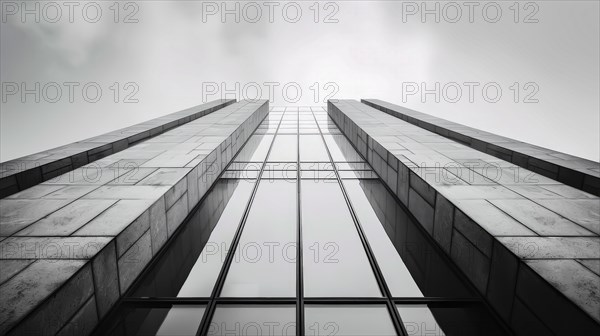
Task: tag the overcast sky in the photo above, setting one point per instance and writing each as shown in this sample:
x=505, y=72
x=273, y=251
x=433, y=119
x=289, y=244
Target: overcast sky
x=167, y=56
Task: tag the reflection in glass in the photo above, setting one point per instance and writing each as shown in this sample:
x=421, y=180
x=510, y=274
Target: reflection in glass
x=348, y=320
x=240, y=174
x=437, y=319
x=245, y=166
x=397, y=276
x=256, y=148
x=265, y=131
x=312, y=148
x=418, y=320
x=285, y=148
x=341, y=149
x=264, y=263
x=327, y=126
x=181, y=320
x=191, y=265
x=269, y=126
x=203, y=275
x=164, y=321
x=358, y=174
x=335, y=263
x=242, y=320
x=353, y=166
x=427, y=267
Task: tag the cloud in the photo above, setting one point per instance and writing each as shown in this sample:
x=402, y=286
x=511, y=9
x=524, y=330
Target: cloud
x=370, y=52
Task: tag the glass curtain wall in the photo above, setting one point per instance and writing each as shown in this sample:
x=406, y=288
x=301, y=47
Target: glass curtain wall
x=300, y=237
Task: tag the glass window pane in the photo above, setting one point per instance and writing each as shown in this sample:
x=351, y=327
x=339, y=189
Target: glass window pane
x=266, y=130
x=341, y=149
x=169, y=320
x=279, y=174
x=285, y=148
x=397, y=276
x=192, y=262
x=245, y=166
x=418, y=320
x=331, y=131
x=280, y=170
x=289, y=166
x=256, y=148
x=442, y=320
x=312, y=148
x=348, y=320
x=316, y=166
x=181, y=320
x=242, y=320
x=264, y=263
x=335, y=263
x=327, y=176
x=203, y=275
x=271, y=120
x=306, y=117
x=240, y=174
x=424, y=262
x=353, y=166
x=328, y=127
x=358, y=174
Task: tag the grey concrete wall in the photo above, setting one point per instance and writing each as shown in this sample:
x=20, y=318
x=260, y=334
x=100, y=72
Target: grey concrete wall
x=72, y=246
x=529, y=244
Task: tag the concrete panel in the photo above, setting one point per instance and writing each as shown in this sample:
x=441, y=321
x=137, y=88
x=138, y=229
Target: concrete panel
x=491, y=225
x=561, y=167
x=36, y=168
x=114, y=217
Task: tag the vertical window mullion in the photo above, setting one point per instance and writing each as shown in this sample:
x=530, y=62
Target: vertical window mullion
x=299, y=258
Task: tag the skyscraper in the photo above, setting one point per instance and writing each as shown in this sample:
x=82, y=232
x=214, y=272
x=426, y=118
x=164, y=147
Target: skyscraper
x=355, y=219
